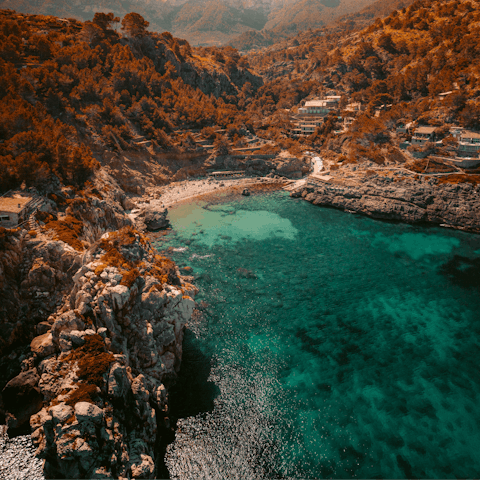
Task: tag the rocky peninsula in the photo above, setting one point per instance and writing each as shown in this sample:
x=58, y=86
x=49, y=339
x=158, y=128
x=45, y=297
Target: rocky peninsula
x=397, y=196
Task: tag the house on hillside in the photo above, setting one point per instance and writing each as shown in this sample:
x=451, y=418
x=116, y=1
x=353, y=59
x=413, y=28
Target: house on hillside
x=468, y=144
x=14, y=210
x=313, y=113
x=422, y=135
x=354, y=107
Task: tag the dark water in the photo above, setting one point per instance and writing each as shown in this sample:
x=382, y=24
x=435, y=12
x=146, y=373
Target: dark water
x=329, y=345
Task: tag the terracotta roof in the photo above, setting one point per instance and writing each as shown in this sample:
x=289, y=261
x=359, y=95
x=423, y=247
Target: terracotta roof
x=14, y=205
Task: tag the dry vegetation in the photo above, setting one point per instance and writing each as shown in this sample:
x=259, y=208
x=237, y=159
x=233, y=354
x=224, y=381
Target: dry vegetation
x=162, y=268
x=92, y=361
x=68, y=230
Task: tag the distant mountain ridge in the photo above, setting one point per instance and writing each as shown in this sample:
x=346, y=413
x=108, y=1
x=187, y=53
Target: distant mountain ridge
x=284, y=25
x=203, y=22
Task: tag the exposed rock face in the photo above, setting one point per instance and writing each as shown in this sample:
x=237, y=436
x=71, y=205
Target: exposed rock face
x=416, y=202
x=96, y=382
x=260, y=165
x=156, y=219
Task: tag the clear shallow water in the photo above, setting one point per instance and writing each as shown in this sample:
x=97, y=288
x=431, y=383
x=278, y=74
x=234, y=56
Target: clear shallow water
x=328, y=346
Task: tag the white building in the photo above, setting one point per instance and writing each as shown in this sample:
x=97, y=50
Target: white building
x=468, y=144
x=313, y=113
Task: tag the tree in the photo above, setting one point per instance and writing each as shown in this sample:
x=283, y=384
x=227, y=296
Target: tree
x=91, y=33
x=222, y=146
x=134, y=25
x=105, y=20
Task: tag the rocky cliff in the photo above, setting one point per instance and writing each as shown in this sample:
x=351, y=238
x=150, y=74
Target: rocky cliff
x=91, y=336
x=423, y=201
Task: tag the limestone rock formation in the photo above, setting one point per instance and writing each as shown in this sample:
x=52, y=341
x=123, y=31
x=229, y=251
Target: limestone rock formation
x=156, y=219
x=414, y=202
x=96, y=387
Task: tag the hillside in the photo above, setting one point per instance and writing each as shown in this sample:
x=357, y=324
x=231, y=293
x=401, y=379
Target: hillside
x=314, y=15
x=86, y=87
x=306, y=14
x=204, y=22
x=396, y=69
x=412, y=54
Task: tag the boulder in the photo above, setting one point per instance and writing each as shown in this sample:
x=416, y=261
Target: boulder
x=43, y=345
x=61, y=412
x=66, y=322
x=22, y=399
x=145, y=468
x=88, y=412
x=156, y=219
x=118, y=383
x=246, y=192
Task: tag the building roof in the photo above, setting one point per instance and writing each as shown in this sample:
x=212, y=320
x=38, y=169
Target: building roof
x=427, y=130
x=15, y=204
x=321, y=102
x=468, y=134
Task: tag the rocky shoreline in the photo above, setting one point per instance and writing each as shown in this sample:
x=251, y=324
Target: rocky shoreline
x=411, y=201
x=92, y=386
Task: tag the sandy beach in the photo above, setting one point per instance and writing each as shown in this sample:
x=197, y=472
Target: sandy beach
x=173, y=193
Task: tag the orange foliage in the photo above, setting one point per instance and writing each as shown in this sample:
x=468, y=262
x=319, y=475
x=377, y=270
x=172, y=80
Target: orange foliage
x=68, y=230
x=455, y=179
x=163, y=268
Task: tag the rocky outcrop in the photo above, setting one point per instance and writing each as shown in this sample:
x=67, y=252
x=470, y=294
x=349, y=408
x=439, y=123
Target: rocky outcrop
x=261, y=165
x=95, y=384
x=454, y=205
x=156, y=219
x=35, y=274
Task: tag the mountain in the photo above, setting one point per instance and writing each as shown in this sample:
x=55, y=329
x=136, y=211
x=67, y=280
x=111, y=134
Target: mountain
x=314, y=14
x=306, y=14
x=203, y=22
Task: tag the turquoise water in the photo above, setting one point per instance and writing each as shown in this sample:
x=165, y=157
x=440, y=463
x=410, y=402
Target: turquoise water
x=327, y=345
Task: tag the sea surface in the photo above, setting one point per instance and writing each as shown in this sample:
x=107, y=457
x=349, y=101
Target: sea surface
x=325, y=345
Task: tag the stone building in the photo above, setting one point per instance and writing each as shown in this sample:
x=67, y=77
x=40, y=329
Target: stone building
x=422, y=135
x=14, y=210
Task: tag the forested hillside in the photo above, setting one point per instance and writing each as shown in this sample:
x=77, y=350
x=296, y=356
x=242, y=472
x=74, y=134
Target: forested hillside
x=204, y=22
x=396, y=68
x=302, y=17
x=67, y=85
x=410, y=56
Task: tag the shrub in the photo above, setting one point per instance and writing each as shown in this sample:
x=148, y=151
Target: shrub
x=68, y=230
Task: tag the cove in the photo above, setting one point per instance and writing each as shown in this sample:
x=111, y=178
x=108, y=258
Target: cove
x=326, y=345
